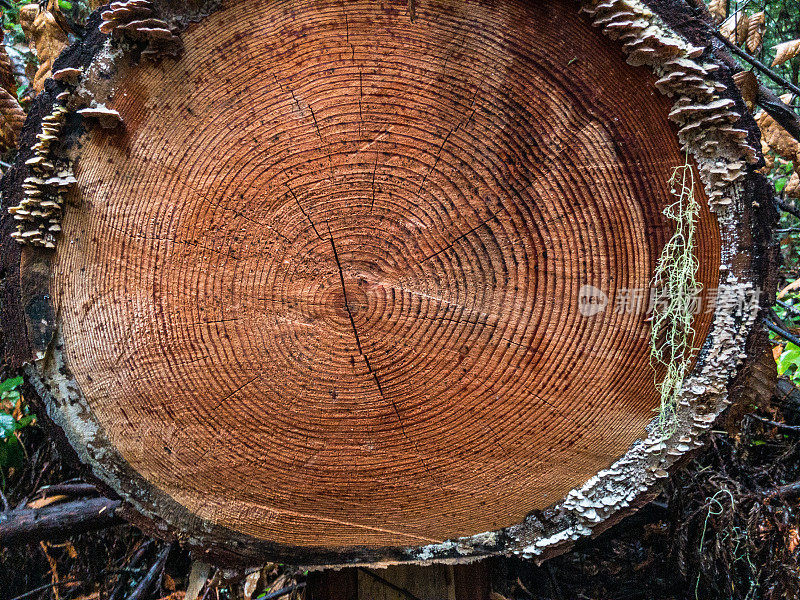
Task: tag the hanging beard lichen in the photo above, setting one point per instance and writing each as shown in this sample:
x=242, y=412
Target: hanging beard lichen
x=676, y=296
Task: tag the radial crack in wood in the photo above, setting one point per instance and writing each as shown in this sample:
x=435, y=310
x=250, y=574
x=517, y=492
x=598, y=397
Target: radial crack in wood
x=318, y=295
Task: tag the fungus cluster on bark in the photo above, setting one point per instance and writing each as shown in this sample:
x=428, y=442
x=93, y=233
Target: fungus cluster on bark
x=317, y=293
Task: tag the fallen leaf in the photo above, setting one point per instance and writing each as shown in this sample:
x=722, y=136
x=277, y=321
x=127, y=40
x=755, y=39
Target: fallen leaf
x=7, y=81
x=45, y=38
x=747, y=82
x=794, y=539
x=250, y=584
x=46, y=501
x=718, y=9
x=792, y=189
x=735, y=27
x=755, y=31
x=786, y=51
x=198, y=575
x=777, y=138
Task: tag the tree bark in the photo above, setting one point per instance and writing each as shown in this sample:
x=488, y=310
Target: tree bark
x=315, y=291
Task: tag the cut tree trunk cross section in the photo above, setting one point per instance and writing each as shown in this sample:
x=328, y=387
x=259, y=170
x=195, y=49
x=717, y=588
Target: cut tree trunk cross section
x=317, y=295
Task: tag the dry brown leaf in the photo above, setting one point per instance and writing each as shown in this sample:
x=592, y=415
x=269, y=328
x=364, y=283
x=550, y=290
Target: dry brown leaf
x=735, y=27
x=50, y=40
x=175, y=596
x=769, y=159
x=747, y=82
x=794, y=539
x=250, y=584
x=46, y=501
x=786, y=51
x=12, y=118
x=792, y=189
x=27, y=14
x=742, y=27
x=45, y=37
x=7, y=81
x=718, y=8
x=777, y=138
x=756, y=25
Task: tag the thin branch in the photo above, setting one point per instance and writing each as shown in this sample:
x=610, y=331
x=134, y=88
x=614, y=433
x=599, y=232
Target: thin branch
x=756, y=63
x=69, y=489
x=788, y=208
x=26, y=525
x=389, y=584
x=793, y=428
x=132, y=565
x=47, y=586
x=788, y=307
x=790, y=489
x=141, y=590
x=782, y=333
x=283, y=591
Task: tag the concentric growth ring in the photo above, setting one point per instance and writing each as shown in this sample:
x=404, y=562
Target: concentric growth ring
x=323, y=288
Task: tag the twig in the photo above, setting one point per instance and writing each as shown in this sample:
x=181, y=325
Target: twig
x=60, y=583
x=784, y=426
x=389, y=584
x=140, y=591
x=5, y=501
x=782, y=332
x=788, y=208
x=756, y=63
x=788, y=307
x=47, y=586
x=132, y=564
x=283, y=591
x=790, y=489
x=26, y=525
x=70, y=489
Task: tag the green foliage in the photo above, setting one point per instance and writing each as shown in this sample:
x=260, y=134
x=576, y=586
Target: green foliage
x=13, y=418
x=781, y=173
x=789, y=362
x=10, y=17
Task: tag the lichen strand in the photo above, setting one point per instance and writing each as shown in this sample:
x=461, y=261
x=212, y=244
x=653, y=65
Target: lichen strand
x=675, y=278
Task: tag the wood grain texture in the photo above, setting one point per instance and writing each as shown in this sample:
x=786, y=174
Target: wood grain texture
x=317, y=300
x=323, y=289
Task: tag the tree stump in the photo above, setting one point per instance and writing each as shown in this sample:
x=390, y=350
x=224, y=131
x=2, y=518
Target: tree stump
x=323, y=281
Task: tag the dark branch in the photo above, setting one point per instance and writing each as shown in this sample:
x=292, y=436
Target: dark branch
x=757, y=64
x=784, y=426
x=27, y=525
x=147, y=582
x=782, y=333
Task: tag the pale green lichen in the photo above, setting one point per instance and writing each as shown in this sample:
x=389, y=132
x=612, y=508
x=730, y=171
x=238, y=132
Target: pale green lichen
x=676, y=298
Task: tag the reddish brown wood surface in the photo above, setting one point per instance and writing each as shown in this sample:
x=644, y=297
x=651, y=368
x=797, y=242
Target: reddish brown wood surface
x=317, y=297
x=323, y=289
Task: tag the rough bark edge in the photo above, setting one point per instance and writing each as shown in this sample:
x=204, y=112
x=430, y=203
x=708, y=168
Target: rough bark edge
x=654, y=33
